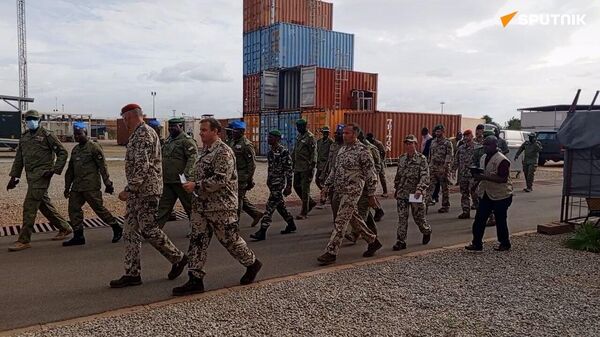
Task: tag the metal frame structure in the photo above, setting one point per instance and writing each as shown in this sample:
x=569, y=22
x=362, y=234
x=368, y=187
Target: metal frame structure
x=12, y=143
x=22, y=38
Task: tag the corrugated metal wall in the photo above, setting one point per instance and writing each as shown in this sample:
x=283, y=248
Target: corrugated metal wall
x=252, y=128
x=324, y=92
x=289, y=82
x=392, y=127
x=251, y=94
x=257, y=13
x=289, y=46
x=268, y=122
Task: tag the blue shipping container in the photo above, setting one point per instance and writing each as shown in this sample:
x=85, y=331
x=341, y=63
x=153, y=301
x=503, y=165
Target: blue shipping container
x=287, y=45
x=285, y=122
x=268, y=122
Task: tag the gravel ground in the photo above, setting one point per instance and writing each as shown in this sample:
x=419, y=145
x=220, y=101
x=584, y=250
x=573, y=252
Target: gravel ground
x=11, y=202
x=538, y=289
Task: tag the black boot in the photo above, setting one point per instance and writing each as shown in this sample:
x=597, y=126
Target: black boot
x=177, y=268
x=251, y=272
x=372, y=248
x=77, y=240
x=194, y=285
x=126, y=281
x=117, y=233
x=261, y=235
x=290, y=228
x=379, y=213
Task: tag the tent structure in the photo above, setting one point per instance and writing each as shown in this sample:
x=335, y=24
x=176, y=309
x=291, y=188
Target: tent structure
x=580, y=136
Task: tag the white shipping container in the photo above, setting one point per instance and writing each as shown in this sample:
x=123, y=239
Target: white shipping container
x=470, y=123
x=542, y=120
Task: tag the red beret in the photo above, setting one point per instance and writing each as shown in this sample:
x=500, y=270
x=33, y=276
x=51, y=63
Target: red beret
x=467, y=132
x=130, y=107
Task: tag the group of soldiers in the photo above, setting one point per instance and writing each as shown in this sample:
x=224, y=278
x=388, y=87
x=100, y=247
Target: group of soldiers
x=212, y=182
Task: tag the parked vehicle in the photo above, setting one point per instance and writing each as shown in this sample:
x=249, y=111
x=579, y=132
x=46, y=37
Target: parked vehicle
x=514, y=137
x=552, y=150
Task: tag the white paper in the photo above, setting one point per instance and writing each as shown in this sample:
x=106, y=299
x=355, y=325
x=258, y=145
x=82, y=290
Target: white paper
x=182, y=178
x=412, y=199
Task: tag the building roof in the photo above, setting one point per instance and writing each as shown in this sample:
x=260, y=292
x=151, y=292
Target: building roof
x=559, y=107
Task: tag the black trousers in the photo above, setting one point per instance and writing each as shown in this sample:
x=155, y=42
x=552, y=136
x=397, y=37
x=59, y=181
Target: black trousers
x=500, y=209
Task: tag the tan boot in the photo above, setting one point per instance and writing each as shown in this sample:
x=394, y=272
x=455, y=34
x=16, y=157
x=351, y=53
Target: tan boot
x=18, y=246
x=63, y=234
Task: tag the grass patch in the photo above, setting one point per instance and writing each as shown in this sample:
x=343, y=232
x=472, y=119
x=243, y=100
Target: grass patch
x=586, y=238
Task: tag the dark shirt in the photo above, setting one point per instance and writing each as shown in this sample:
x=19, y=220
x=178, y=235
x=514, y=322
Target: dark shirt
x=427, y=148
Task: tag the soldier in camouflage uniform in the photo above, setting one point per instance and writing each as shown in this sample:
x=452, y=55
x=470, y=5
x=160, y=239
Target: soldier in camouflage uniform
x=354, y=169
x=304, y=160
x=532, y=149
x=143, y=170
x=244, y=156
x=37, y=151
x=381, y=148
x=412, y=177
x=178, y=157
x=333, y=151
x=214, y=210
x=82, y=184
x=463, y=160
x=440, y=159
x=323, y=146
x=279, y=181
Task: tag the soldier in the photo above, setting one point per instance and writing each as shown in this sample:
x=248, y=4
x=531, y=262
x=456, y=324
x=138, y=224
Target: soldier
x=412, y=177
x=244, y=160
x=333, y=151
x=279, y=181
x=215, y=210
x=178, y=157
x=532, y=149
x=502, y=144
x=463, y=160
x=143, y=170
x=354, y=169
x=440, y=159
x=155, y=125
x=381, y=148
x=323, y=146
x=82, y=184
x=37, y=151
x=304, y=159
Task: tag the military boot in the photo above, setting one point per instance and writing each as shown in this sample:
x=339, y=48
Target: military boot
x=251, y=272
x=126, y=281
x=290, y=228
x=77, y=240
x=177, y=268
x=62, y=234
x=194, y=285
x=400, y=245
x=117, y=233
x=18, y=246
x=464, y=215
x=373, y=247
x=326, y=259
x=261, y=235
x=256, y=219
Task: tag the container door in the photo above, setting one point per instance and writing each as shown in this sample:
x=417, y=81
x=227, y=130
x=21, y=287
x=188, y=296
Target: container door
x=308, y=87
x=270, y=90
x=287, y=126
x=10, y=124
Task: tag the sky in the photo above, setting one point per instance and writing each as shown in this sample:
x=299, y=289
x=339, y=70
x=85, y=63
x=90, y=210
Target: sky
x=96, y=56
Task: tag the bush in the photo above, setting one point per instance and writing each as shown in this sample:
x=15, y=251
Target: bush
x=586, y=238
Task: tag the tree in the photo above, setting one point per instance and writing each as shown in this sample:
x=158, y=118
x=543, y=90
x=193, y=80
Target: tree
x=490, y=120
x=514, y=124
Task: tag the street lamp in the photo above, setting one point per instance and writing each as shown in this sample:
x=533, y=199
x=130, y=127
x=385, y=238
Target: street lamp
x=442, y=104
x=153, y=93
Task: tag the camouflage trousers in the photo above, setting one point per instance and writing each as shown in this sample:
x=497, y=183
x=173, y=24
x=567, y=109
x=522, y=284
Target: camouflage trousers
x=94, y=199
x=418, y=213
x=348, y=215
x=468, y=194
x=37, y=198
x=440, y=174
x=276, y=202
x=302, y=182
x=224, y=225
x=383, y=181
x=335, y=203
x=529, y=172
x=245, y=205
x=171, y=193
x=140, y=222
x=364, y=211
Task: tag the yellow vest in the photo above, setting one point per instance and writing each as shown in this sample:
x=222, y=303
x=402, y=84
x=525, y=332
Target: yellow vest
x=495, y=191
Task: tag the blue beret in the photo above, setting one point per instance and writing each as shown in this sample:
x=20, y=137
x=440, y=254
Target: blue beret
x=154, y=123
x=80, y=125
x=237, y=125
x=340, y=127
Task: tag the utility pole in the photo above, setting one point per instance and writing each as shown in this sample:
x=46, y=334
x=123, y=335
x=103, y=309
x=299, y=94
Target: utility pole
x=174, y=113
x=153, y=93
x=442, y=104
x=22, y=40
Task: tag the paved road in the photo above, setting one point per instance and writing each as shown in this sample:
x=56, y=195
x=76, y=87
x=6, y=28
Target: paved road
x=51, y=283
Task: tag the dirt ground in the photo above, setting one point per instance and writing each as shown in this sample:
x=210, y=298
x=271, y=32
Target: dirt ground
x=11, y=202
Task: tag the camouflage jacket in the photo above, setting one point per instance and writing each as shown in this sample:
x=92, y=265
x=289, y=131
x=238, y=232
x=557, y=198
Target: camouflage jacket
x=305, y=153
x=376, y=156
x=280, y=168
x=532, y=152
x=380, y=148
x=503, y=146
x=323, y=146
x=463, y=160
x=178, y=157
x=441, y=153
x=143, y=164
x=354, y=170
x=412, y=175
x=86, y=166
x=37, y=153
x=478, y=152
x=333, y=151
x=244, y=157
x=216, y=179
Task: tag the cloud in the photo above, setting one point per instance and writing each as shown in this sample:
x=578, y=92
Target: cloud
x=189, y=71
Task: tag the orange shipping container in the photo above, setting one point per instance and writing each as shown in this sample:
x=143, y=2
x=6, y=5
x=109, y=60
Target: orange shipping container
x=252, y=128
x=392, y=127
x=263, y=13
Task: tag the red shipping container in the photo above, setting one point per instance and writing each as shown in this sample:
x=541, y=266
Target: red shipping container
x=263, y=13
x=392, y=127
x=251, y=94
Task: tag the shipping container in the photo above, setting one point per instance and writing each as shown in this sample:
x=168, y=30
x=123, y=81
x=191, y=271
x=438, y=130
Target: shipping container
x=288, y=46
x=392, y=127
x=10, y=125
x=251, y=94
x=268, y=122
x=471, y=123
x=253, y=128
x=123, y=133
x=262, y=13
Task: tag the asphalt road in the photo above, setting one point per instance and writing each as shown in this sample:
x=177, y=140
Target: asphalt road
x=50, y=283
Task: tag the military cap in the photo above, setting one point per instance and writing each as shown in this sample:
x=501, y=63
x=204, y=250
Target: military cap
x=488, y=133
x=154, y=123
x=340, y=127
x=275, y=133
x=439, y=127
x=177, y=120
x=32, y=114
x=480, y=127
x=79, y=126
x=325, y=129
x=301, y=121
x=129, y=107
x=410, y=139
x=237, y=125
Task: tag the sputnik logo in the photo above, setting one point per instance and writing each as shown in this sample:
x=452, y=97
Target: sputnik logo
x=506, y=18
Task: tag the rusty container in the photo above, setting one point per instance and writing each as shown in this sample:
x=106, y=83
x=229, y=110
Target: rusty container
x=262, y=13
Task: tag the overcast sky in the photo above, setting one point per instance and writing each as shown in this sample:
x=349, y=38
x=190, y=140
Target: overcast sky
x=96, y=56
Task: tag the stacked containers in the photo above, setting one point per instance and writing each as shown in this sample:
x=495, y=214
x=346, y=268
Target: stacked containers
x=263, y=13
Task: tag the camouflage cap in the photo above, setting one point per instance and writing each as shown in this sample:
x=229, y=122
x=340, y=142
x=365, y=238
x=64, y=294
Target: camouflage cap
x=410, y=139
x=177, y=120
x=275, y=133
x=32, y=114
x=325, y=129
x=439, y=127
